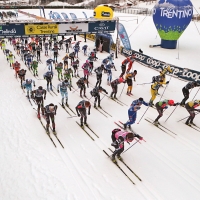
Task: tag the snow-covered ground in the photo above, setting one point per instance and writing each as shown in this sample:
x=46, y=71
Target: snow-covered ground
x=167, y=163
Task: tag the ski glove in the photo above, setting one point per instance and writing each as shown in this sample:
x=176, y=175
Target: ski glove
x=58, y=91
x=176, y=104
x=88, y=113
x=167, y=82
x=78, y=115
x=44, y=97
x=70, y=89
x=106, y=92
x=165, y=107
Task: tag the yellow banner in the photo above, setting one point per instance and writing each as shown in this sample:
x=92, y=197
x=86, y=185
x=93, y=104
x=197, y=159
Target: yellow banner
x=41, y=29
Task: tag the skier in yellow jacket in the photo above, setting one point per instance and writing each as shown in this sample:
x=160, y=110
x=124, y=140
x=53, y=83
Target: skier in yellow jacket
x=157, y=82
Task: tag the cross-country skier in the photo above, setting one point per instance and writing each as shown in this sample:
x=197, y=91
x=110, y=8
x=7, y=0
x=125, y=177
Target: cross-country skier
x=71, y=57
x=160, y=106
x=16, y=67
x=34, y=66
x=154, y=89
x=98, y=72
x=118, y=138
x=186, y=92
x=81, y=111
x=38, y=49
x=84, y=48
x=132, y=111
x=164, y=72
x=67, y=75
x=65, y=61
x=128, y=78
x=114, y=85
x=123, y=67
x=29, y=58
x=50, y=112
x=132, y=59
x=62, y=88
x=28, y=86
x=96, y=94
x=55, y=52
x=191, y=108
x=86, y=70
x=59, y=68
x=11, y=58
x=49, y=64
x=109, y=73
x=49, y=76
x=81, y=84
x=46, y=47
x=75, y=66
x=38, y=96
x=104, y=63
x=21, y=74
x=76, y=50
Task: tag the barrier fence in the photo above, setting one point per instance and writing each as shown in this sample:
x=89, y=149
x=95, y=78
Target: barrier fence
x=178, y=72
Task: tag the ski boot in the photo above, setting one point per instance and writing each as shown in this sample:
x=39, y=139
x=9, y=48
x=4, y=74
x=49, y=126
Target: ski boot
x=191, y=123
x=156, y=123
x=63, y=105
x=85, y=123
x=99, y=105
x=51, y=88
x=119, y=157
x=187, y=123
x=38, y=116
x=127, y=93
x=125, y=126
x=82, y=124
x=47, y=130
x=66, y=103
x=54, y=131
x=84, y=95
x=115, y=96
x=113, y=159
x=95, y=105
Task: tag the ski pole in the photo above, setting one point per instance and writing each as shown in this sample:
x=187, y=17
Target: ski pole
x=143, y=115
x=132, y=145
x=187, y=117
x=143, y=83
x=75, y=90
x=122, y=90
x=171, y=113
x=195, y=94
x=72, y=116
x=165, y=88
x=103, y=97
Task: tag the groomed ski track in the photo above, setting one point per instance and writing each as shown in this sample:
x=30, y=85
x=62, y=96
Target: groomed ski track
x=32, y=168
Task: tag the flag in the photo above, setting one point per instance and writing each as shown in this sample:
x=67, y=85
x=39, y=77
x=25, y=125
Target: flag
x=124, y=37
x=73, y=16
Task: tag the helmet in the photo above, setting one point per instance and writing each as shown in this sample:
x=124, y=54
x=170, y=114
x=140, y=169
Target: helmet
x=171, y=102
x=121, y=80
x=129, y=137
x=16, y=62
x=40, y=88
x=66, y=54
x=140, y=100
x=66, y=81
x=87, y=61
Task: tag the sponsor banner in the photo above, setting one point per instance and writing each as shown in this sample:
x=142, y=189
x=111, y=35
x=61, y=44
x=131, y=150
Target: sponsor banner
x=10, y=30
x=102, y=26
x=182, y=73
x=123, y=36
x=73, y=28
x=41, y=29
